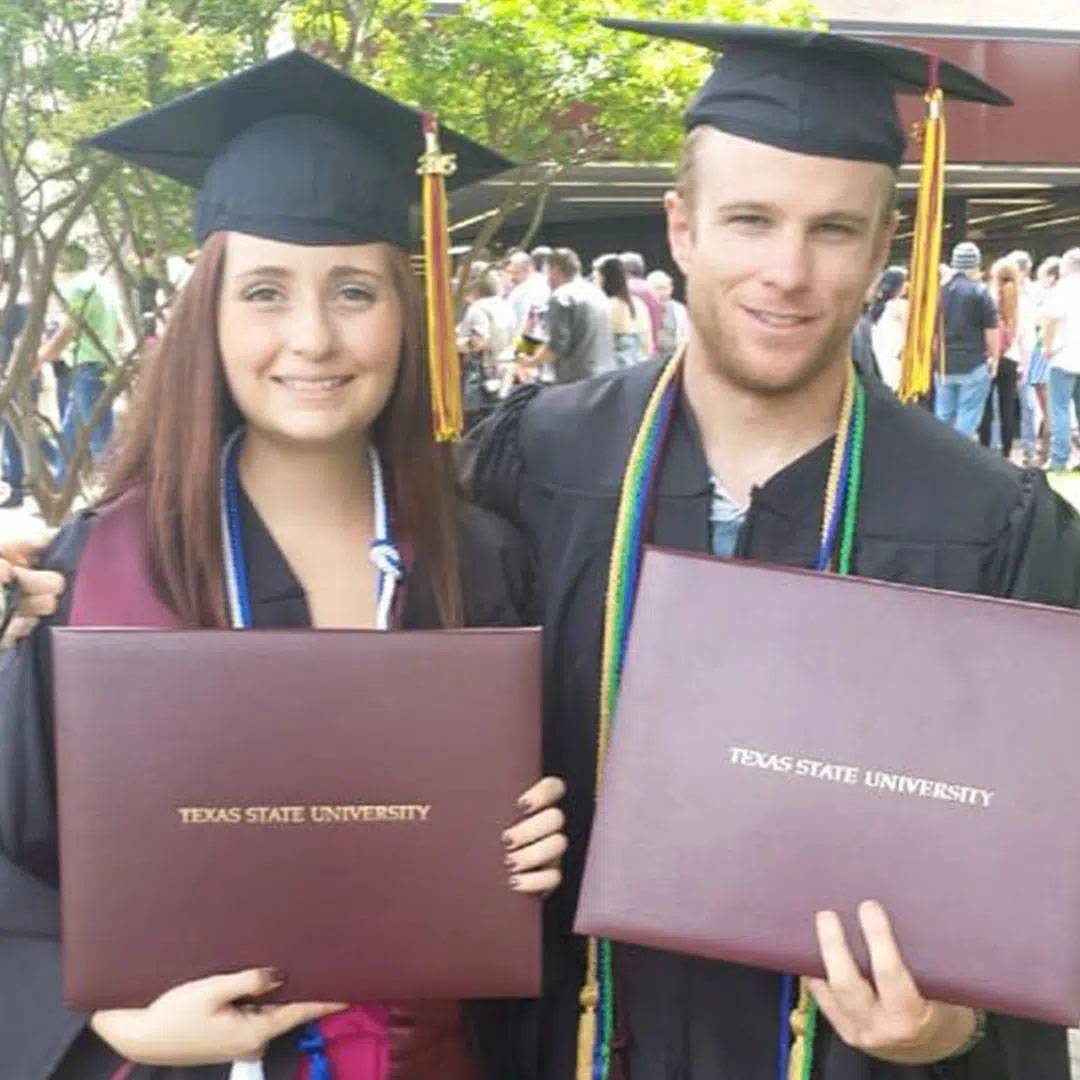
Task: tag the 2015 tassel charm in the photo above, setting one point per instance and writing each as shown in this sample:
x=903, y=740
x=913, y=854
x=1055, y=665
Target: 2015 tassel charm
x=444, y=366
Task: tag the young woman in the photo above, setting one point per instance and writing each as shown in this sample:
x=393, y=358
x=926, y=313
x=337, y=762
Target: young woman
x=284, y=417
x=630, y=324
x=888, y=323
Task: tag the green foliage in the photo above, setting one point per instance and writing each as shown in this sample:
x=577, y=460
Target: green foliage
x=542, y=79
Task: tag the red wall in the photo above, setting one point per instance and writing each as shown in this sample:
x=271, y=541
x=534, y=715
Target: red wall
x=1043, y=79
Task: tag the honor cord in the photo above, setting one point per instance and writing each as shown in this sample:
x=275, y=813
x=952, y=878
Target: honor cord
x=839, y=515
x=387, y=561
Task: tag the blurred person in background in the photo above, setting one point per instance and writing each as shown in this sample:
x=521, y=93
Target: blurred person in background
x=530, y=292
x=579, y=342
x=1037, y=445
x=886, y=318
x=91, y=332
x=1061, y=342
x=1014, y=343
x=485, y=339
x=674, y=320
x=631, y=331
x=634, y=265
x=1028, y=348
x=970, y=328
x=14, y=308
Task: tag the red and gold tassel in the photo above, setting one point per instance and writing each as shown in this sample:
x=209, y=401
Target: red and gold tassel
x=443, y=362
x=917, y=358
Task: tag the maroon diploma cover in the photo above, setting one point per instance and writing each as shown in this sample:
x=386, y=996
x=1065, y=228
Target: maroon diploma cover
x=789, y=742
x=329, y=803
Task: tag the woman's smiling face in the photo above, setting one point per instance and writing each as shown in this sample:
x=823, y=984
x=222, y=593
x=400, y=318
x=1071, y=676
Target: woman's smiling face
x=310, y=336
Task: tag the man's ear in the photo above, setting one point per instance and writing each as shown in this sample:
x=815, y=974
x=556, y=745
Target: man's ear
x=884, y=240
x=680, y=230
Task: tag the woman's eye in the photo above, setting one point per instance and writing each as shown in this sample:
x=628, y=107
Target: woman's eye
x=355, y=294
x=263, y=294
x=753, y=221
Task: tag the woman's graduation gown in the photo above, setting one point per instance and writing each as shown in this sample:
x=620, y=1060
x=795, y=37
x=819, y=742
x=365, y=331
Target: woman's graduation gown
x=936, y=511
x=39, y=1038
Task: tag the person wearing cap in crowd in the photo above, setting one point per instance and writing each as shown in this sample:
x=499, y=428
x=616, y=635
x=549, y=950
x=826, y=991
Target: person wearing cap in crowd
x=971, y=343
x=281, y=432
x=781, y=219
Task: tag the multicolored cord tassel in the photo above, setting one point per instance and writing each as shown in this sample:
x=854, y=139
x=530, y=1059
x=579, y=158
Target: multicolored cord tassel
x=839, y=519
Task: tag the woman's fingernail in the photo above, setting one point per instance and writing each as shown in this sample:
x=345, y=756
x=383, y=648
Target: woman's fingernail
x=509, y=862
x=524, y=805
x=515, y=883
x=507, y=839
x=276, y=976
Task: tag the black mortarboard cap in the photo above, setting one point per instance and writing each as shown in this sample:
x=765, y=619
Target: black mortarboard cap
x=809, y=91
x=293, y=149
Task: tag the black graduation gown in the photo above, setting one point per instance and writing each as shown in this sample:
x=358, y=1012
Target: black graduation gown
x=39, y=1038
x=936, y=511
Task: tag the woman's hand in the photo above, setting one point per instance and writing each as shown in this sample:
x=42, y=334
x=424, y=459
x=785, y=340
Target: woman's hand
x=41, y=589
x=535, y=845
x=199, y=1023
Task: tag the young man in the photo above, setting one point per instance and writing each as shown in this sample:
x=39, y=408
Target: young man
x=972, y=345
x=92, y=329
x=782, y=218
x=579, y=342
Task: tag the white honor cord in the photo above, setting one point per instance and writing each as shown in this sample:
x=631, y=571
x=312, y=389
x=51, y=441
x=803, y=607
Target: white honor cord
x=236, y=620
x=383, y=553
x=387, y=561
x=247, y=1070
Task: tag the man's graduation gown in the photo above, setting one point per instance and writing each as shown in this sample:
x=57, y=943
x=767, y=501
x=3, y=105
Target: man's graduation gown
x=935, y=511
x=39, y=1038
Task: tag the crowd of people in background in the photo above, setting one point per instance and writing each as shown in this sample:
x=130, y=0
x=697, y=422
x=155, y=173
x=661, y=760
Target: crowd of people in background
x=1007, y=349
x=88, y=330
x=536, y=316
x=1008, y=368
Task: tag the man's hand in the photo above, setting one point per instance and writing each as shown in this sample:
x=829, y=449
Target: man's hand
x=888, y=1018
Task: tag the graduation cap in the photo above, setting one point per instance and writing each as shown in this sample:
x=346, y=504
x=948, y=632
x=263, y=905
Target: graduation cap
x=830, y=95
x=809, y=91
x=294, y=150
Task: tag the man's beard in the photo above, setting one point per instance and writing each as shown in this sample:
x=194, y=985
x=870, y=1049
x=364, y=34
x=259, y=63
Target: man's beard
x=724, y=355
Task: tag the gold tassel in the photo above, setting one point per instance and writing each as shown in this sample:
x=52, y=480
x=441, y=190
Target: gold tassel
x=589, y=999
x=798, y=1032
x=443, y=362
x=917, y=358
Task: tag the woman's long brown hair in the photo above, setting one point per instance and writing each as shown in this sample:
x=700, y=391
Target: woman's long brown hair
x=183, y=412
x=1007, y=280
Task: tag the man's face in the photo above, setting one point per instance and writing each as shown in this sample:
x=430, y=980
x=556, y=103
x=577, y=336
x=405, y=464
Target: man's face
x=519, y=269
x=778, y=250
